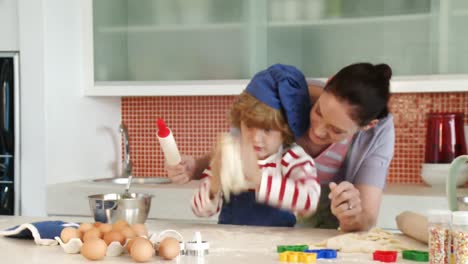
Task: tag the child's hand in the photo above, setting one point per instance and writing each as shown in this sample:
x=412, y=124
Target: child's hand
x=182, y=172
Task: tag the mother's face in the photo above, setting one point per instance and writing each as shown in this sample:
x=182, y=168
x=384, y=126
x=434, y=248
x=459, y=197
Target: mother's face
x=330, y=121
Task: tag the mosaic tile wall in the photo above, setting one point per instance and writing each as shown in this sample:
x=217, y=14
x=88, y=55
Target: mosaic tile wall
x=196, y=122
x=410, y=112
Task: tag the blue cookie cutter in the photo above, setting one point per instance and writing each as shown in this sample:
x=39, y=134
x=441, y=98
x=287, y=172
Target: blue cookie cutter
x=323, y=253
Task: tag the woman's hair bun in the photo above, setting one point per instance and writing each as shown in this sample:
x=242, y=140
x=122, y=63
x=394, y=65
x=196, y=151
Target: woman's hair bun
x=384, y=70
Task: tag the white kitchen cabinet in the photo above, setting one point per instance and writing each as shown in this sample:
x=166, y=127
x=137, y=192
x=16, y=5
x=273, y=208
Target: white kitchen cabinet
x=212, y=47
x=9, y=25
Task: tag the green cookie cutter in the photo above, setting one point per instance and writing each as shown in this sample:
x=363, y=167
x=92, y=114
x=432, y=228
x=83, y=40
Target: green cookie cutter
x=295, y=248
x=416, y=255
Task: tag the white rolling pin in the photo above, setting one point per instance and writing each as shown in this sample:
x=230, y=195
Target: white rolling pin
x=168, y=144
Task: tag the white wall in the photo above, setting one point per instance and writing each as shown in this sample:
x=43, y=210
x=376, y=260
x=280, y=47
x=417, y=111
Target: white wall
x=8, y=25
x=64, y=135
x=32, y=110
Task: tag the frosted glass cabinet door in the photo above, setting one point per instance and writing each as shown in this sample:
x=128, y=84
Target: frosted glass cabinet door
x=415, y=37
x=203, y=47
x=170, y=40
x=456, y=34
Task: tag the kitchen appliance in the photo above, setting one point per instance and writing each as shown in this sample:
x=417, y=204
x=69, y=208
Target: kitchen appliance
x=9, y=109
x=445, y=138
x=456, y=203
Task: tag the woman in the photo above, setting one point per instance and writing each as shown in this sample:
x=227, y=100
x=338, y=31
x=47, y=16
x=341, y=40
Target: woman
x=350, y=137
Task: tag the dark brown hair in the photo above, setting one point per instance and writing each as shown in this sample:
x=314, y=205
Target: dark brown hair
x=366, y=88
x=254, y=113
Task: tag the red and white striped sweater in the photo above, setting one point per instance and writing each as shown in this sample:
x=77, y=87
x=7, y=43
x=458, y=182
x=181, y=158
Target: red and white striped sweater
x=289, y=181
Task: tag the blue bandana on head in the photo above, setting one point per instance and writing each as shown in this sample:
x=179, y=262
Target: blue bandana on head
x=284, y=87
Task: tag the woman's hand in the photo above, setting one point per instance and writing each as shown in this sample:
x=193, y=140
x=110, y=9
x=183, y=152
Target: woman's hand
x=182, y=172
x=355, y=206
x=345, y=201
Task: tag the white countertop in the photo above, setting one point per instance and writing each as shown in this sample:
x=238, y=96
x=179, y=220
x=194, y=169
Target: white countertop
x=251, y=244
x=171, y=201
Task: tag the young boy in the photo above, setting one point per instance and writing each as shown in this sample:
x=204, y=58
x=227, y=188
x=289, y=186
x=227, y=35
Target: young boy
x=281, y=177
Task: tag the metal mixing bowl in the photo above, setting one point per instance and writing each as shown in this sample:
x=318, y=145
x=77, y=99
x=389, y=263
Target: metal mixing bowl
x=132, y=207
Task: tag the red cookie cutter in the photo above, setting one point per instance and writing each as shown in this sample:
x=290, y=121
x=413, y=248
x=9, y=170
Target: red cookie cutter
x=385, y=256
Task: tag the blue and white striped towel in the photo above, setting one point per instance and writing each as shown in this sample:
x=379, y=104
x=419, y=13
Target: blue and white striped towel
x=42, y=232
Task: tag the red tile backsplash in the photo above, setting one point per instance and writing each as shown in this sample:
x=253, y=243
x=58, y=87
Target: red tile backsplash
x=197, y=120
x=410, y=111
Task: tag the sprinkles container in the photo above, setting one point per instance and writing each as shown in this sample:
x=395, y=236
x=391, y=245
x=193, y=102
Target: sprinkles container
x=460, y=237
x=439, y=236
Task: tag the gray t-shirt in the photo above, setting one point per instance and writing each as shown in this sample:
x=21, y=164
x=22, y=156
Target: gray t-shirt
x=370, y=154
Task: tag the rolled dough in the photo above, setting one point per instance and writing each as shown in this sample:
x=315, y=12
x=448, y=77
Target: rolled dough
x=231, y=173
x=364, y=242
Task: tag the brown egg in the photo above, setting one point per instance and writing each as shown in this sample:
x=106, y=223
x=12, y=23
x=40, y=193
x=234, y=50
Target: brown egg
x=85, y=227
x=119, y=225
x=104, y=228
x=69, y=233
x=94, y=249
x=140, y=229
x=169, y=248
x=91, y=234
x=142, y=250
x=128, y=233
x=112, y=236
x=130, y=243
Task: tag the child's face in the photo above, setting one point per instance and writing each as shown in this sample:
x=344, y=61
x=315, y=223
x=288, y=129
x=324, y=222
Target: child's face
x=265, y=142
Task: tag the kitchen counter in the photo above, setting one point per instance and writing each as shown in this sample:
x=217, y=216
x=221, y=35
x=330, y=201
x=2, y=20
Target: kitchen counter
x=251, y=244
x=418, y=198
x=171, y=201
